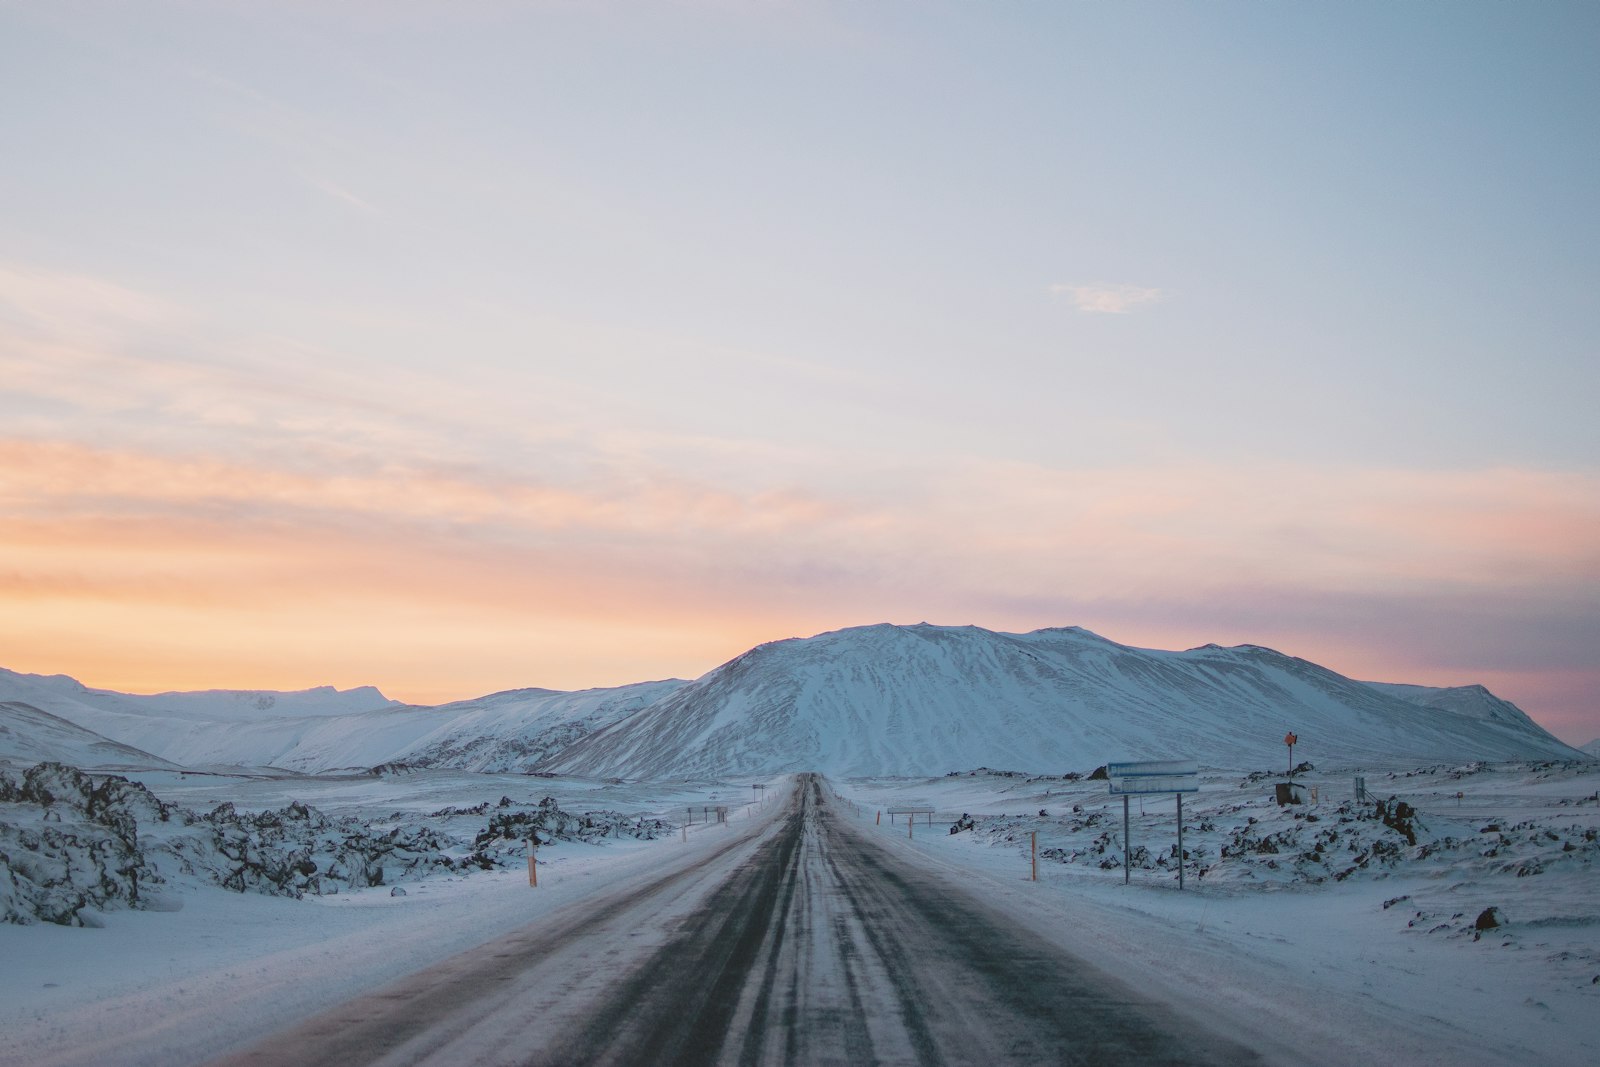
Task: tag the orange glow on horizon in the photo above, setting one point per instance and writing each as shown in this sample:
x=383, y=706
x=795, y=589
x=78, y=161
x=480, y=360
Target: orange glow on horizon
x=140, y=572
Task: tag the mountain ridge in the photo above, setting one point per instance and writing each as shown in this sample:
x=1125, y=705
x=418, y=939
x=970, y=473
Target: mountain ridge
x=922, y=699
x=868, y=700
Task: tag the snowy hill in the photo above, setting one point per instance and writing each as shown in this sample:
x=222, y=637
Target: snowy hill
x=874, y=700
x=1472, y=701
x=515, y=730
x=240, y=704
x=29, y=735
x=927, y=700
x=1592, y=748
x=58, y=690
x=306, y=732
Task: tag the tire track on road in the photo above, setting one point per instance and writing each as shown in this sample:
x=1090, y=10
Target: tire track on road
x=823, y=945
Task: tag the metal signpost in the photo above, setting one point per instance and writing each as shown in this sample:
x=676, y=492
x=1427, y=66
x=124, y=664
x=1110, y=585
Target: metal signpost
x=1152, y=777
x=1290, y=739
x=911, y=816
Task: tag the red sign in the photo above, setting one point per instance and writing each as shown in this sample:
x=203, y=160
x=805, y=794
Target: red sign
x=1290, y=739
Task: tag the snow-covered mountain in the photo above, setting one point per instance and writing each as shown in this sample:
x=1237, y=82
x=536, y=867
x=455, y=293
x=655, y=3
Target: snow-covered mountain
x=519, y=729
x=918, y=700
x=304, y=732
x=873, y=700
x=1592, y=748
x=211, y=705
x=1472, y=701
x=29, y=735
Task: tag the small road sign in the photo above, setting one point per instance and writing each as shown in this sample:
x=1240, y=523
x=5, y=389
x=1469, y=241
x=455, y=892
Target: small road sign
x=1143, y=778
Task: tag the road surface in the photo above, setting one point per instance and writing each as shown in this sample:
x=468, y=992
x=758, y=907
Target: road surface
x=801, y=940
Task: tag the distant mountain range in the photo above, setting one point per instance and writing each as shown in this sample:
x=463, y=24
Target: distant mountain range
x=29, y=735
x=873, y=700
x=326, y=729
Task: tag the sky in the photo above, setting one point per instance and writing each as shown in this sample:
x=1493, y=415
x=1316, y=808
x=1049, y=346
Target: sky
x=457, y=347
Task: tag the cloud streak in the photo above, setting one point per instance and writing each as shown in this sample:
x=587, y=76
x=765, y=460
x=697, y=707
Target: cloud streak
x=1100, y=298
x=1329, y=558
x=183, y=506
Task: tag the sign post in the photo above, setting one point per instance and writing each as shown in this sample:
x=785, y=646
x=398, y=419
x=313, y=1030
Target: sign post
x=1127, y=844
x=1290, y=739
x=1180, y=840
x=1142, y=779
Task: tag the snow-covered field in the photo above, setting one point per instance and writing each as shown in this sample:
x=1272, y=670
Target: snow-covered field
x=1366, y=950
x=207, y=968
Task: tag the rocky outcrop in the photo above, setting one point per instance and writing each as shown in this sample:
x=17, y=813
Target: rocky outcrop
x=76, y=845
x=72, y=844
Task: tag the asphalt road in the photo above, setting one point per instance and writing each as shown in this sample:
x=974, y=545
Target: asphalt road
x=803, y=941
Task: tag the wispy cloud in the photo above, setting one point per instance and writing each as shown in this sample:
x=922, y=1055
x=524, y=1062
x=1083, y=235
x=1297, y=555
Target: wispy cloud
x=97, y=539
x=1106, y=299
x=337, y=192
x=172, y=493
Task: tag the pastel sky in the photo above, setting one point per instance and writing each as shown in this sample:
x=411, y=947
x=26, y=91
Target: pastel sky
x=454, y=347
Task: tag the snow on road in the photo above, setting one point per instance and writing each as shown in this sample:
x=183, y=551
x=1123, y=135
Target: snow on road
x=801, y=942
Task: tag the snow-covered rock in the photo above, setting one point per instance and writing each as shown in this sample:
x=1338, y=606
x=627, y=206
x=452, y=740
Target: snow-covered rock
x=72, y=844
x=68, y=842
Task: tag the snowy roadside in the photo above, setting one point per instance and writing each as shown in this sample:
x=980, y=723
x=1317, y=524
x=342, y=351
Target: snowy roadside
x=1384, y=964
x=220, y=968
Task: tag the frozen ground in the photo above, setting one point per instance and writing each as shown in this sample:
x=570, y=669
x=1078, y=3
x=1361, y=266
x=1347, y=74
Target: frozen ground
x=1384, y=963
x=1274, y=945
x=213, y=968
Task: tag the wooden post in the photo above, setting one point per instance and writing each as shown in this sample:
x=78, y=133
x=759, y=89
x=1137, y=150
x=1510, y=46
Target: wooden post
x=911, y=821
x=1127, y=846
x=1180, y=840
x=686, y=833
x=880, y=817
x=533, y=866
x=1034, y=850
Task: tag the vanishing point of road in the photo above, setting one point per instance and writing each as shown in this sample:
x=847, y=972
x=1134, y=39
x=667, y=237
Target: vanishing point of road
x=802, y=940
